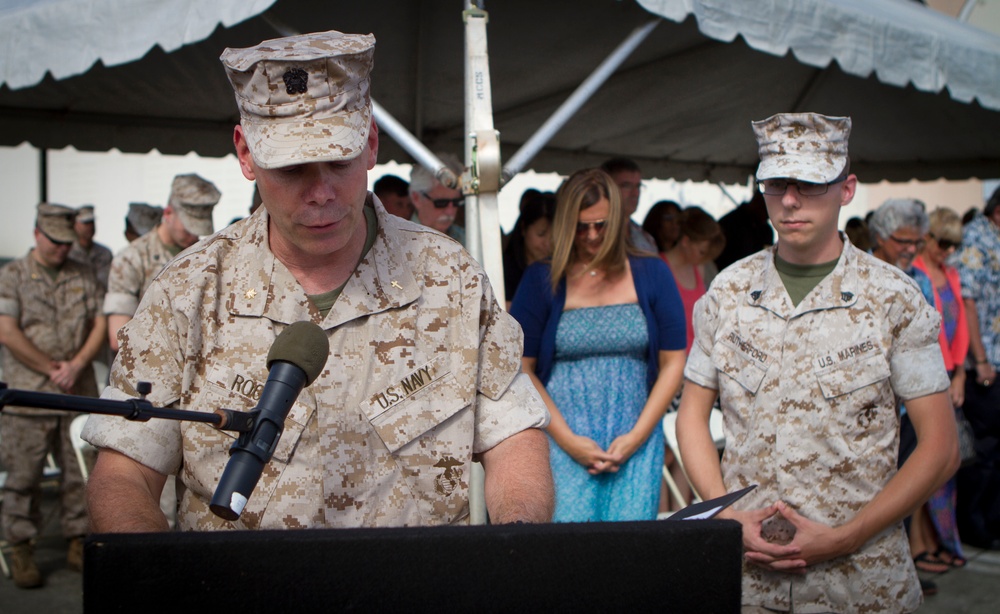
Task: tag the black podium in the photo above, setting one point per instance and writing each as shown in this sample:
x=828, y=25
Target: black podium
x=684, y=566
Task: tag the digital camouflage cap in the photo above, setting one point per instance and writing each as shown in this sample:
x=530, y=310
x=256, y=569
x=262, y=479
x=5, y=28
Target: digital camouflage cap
x=56, y=222
x=304, y=98
x=804, y=146
x=193, y=198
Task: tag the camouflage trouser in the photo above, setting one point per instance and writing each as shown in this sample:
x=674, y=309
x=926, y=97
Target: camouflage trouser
x=24, y=443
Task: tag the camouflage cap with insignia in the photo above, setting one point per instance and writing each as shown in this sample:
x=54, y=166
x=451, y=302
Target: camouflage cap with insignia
x=56, y=222
x=304, y=98
x=194, y=199
x=85, y=214
x=804, y=146
x=143, y=217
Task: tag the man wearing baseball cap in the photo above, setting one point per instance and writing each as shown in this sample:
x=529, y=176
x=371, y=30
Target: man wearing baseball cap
x=140, y=219
x=423, y=373
x=51, y=328
x=187, y=216
x=88, y=251
x=808, y=345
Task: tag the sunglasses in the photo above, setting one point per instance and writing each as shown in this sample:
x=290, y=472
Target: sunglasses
x=583, y=228
x=444, y=203
x=946, y=244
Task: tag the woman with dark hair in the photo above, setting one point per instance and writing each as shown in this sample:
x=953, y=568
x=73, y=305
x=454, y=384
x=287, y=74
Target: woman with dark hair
x=661, y=223
x=531, y=239
x=604, y=344
x=700, y=242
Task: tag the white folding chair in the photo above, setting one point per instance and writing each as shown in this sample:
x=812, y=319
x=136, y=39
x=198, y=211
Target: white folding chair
x=80, y=447
x=670, y=433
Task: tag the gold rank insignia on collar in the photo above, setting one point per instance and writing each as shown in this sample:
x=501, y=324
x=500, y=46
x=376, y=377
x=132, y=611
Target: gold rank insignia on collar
x=250, y=293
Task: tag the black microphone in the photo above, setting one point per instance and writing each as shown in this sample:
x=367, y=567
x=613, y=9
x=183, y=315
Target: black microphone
x=295, y=361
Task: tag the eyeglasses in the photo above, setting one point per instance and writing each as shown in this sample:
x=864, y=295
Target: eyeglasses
x=917, y=243
x=777, y=187
x=947, y=244
x=583, y=228
x=444, y=203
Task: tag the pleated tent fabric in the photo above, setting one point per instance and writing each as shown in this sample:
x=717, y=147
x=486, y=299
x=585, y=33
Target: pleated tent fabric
x=923, y=89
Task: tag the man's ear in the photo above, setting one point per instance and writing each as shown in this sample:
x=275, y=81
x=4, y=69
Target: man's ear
x=848, y=189
x=372, y=144
x=243, y=153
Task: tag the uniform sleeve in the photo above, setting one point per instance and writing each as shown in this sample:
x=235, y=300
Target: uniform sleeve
x=150, y=352
x=699, y=367
x=916, y=363
x=10, y=303
x=506, y=401
x=124, y=285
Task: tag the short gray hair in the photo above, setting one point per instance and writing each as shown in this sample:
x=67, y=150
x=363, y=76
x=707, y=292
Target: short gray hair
x=897, y=213
x=422, y=180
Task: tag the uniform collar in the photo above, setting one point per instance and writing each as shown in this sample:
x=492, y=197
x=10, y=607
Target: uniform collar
x=838, y=289
x=382, y=280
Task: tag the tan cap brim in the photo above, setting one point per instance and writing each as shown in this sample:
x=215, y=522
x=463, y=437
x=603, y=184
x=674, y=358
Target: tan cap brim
x=201, y=227
x=276, y=143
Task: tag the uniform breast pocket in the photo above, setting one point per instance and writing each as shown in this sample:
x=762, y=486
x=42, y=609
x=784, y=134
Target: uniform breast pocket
x=747, y=371
x=419, y=413
x=214, y=397
x=859, y=394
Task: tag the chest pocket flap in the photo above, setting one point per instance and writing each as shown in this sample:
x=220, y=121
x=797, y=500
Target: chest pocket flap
x=213, y=397
x=419, y=413
x=747, y=368
x=844, y=378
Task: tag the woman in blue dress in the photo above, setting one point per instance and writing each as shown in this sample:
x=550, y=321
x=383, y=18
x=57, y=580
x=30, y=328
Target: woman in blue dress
x=604, y=339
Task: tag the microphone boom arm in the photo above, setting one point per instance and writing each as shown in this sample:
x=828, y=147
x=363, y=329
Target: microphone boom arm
x=137, y=410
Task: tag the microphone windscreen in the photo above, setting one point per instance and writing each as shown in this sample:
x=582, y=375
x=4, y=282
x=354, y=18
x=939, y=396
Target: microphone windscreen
x=303, y=344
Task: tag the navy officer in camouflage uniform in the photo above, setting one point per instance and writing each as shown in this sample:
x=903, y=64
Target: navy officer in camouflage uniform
x=810, y=346
x=423, y=375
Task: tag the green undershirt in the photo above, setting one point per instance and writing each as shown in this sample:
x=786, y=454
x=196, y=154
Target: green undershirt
x=800, y=279
x=324, y=301
x=53, y=273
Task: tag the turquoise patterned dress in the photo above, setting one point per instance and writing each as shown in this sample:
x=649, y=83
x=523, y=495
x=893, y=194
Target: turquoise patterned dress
x=598, y=383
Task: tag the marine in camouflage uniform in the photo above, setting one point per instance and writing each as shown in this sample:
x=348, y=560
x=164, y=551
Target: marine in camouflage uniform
x=375, y=440
x=424, y=367
x=809, y=390
x=51, y=329
x=187, y=216
x=809, y=398
x=96, y=255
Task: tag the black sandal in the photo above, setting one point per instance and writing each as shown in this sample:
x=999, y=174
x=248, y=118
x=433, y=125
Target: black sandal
x=928, y=563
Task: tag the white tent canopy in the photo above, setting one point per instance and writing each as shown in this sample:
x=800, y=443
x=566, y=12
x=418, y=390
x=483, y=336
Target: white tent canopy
x=900, y=41
x=923, y=89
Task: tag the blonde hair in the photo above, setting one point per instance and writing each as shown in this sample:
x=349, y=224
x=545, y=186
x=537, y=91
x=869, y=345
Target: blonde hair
x=945, y=224
x=584, y=189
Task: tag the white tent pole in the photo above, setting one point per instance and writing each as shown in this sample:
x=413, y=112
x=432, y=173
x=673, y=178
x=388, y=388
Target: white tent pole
x=387, y=123
x=576, y=100
x=482, y=215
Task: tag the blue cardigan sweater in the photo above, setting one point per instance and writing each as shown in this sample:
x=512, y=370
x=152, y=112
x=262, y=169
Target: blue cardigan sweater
x=538, y=311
